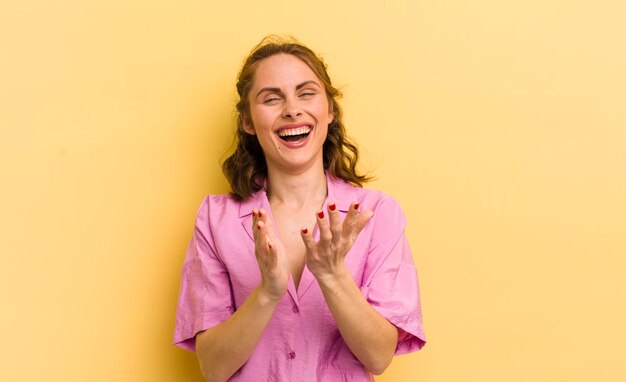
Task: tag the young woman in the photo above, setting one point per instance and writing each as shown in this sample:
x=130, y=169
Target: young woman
x=298, y=274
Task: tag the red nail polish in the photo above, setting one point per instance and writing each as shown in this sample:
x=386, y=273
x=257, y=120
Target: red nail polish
x=305, y=231
x=356, y=206
x=332, y=207
x=320, y=214
x=258, y=225
x=253, y=213
x=269, y=245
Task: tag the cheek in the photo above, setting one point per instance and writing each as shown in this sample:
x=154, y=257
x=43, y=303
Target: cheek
x=322, y=131
x=261, y=119
x=323, y=113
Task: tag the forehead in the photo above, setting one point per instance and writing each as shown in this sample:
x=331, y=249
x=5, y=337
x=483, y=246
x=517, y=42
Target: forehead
x=282, y=71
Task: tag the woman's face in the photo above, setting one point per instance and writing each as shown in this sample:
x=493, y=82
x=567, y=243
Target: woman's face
x=289, y=113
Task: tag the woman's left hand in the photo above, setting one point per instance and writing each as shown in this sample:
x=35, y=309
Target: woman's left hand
x=325, y=258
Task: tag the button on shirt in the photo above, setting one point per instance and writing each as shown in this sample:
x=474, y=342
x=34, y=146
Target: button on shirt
x=301, y=341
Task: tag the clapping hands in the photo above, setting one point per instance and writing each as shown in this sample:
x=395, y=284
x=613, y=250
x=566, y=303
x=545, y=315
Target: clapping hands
x=324, y=258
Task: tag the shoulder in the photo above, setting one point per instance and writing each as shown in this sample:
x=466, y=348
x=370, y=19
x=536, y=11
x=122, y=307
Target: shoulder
x=219, y=203
x=387, y=210
x=387, y=225
x=377, y=200
x=385, y=207
x=216, y=208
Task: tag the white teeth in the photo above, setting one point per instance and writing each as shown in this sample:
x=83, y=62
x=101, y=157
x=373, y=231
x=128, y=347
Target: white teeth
x=296, y=131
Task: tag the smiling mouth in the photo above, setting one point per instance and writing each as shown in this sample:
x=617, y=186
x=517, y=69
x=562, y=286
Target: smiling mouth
x=295, y=134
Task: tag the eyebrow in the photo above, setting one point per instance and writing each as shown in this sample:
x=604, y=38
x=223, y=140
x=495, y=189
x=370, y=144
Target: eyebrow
x=298, y=87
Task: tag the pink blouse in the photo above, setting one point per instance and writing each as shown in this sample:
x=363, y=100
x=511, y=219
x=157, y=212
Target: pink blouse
x=301, y=341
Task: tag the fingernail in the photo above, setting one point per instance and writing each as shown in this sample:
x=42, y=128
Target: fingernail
x=356, y=206
x=305, y=231
x=269, y=245
x=258, y=225
x=320, y=214
x=254, y=213
x=332, y=207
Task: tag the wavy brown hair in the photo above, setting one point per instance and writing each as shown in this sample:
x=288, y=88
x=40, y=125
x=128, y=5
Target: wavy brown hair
x=246, y=168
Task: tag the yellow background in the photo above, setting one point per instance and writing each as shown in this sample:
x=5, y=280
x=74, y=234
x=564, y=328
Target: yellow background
x=499, y=126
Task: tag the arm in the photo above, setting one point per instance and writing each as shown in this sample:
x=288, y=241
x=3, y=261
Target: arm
x=370, y=337
x=224, y=348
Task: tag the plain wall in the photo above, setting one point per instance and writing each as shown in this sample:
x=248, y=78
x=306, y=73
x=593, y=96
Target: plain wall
x=499, y=126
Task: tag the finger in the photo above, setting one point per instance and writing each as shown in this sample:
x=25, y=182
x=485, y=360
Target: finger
x=255, y=215
x=261, y=238
x=269, y=227
x=272, y=254
x=363, y=219
x=334, y=219
x=349, y=223
x=307, y=238
x=274, y=244
x=324, y=227
x=262, y=215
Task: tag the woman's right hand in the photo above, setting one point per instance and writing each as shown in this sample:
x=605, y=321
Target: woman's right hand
x=222, y=349
x=270, y=255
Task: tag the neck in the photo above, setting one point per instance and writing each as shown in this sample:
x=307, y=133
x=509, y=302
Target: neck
x=297, y=189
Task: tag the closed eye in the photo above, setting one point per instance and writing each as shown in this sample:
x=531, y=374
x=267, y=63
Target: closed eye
x=271, y=100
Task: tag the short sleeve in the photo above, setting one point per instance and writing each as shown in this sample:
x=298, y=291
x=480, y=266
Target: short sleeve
x=390, y=279
x=205, y=297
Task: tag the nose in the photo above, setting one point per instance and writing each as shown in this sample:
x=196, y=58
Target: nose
x=291, y=109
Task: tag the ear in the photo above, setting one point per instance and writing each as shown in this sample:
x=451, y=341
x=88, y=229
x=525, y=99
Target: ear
x=248, y=127
x=331, y=113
